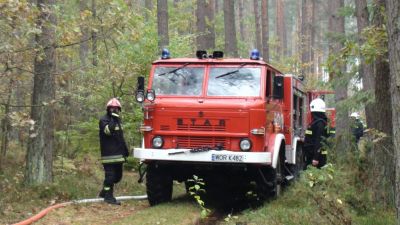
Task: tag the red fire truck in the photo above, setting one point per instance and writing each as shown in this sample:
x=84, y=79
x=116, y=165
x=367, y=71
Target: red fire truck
x=231, y=121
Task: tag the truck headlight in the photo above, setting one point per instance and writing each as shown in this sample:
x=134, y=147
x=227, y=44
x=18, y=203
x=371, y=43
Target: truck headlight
x=245, y=144
x=157, y=142
x=139, y=96
x=150, y=95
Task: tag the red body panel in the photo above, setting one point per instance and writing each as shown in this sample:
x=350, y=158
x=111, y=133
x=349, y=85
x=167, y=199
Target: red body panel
x=210, y=121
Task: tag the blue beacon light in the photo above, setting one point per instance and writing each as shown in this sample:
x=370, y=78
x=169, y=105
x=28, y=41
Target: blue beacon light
x=255, y=54
x=165, y=54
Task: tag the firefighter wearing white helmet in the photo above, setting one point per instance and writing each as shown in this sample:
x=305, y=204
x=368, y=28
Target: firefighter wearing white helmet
x=316, y=134
x=113, y=149
x=357, y=127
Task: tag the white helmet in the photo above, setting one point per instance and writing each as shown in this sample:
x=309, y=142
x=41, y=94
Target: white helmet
x=355, y=115
x=318, y=105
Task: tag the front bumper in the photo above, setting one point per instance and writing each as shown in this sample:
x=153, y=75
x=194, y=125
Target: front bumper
x=211, y=156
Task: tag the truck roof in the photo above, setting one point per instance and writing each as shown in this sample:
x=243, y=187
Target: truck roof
x=214, y=61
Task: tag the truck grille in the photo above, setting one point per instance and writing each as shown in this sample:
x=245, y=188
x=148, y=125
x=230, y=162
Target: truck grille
x=189, y=127
x=195, y=142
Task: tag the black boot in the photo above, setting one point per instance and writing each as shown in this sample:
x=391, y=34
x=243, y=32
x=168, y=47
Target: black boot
x=102, y=193
x=109, y=197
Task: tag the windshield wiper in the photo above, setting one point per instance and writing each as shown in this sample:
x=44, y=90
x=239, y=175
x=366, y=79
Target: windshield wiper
x=174, y=70
x=231, y=72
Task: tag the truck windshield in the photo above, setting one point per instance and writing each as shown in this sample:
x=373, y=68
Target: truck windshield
x=186, y=81
x=243, y=82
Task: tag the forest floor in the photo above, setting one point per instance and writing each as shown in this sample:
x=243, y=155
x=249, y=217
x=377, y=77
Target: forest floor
x=320, y=197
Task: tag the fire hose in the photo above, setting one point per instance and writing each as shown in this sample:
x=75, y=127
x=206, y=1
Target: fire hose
x=42, y=213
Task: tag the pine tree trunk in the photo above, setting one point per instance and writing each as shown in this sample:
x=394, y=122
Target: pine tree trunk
x=230, y=29
x=162, y=21
x=6, y=125
x=336, y=26
x=39, y=163
x=307, y=37
x=385, y=168
x=84, y=45
x=210, y=24
x=265, y=30
x=258, y=24
x=201, y=25
x=241, y=21
x=365, y=69
x=94, y=35
x=281, y=28
x=393, y=28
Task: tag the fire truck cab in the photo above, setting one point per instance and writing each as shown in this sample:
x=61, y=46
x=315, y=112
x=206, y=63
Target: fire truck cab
x=231, y=121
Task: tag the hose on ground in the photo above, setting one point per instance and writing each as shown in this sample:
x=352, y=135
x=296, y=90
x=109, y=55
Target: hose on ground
x=42, y=213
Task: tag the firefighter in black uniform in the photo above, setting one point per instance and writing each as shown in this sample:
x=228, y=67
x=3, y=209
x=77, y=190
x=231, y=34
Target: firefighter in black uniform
x=357, y=127
x=316, y=135
x=113, y=149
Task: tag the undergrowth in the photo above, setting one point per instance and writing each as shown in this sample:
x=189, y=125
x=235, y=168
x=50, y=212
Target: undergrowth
x=77, y=178
x=331, y=195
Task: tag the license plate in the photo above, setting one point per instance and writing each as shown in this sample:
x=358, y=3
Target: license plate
x=227, y=158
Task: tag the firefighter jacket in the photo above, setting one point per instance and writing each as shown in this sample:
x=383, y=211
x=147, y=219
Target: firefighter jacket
x=315, y=137
x=112, y=143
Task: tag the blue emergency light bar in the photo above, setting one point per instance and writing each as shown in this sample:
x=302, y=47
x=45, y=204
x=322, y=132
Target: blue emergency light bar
x=255, y=54
x=165, y=54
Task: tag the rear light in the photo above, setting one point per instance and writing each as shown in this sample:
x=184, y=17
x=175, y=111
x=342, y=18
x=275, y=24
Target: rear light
x=157, y=142
x=245, y=144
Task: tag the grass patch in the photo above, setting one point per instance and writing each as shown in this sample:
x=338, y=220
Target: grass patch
x=73, y=179
x=327, y=196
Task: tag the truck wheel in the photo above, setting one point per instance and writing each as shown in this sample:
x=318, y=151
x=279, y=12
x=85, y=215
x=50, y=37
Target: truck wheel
x=270, y=187
x=300, y=161
x=276, y=190
x=158, y=184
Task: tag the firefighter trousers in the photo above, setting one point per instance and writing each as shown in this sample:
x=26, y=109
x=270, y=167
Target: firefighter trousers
x=112, y=174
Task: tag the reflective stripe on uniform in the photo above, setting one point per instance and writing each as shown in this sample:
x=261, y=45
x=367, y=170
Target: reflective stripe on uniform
x=112, y=159
x=324, y=152
x=308, y=131
x=332, y=132
x=106, y=188
x=107, y=130
x=117, y=128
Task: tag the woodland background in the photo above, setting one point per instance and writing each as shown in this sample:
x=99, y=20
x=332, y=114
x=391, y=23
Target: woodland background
x=60, y=61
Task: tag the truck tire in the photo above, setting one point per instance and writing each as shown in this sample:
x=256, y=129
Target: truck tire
x=300, y=162
x=270, y=187
x=276, y=190
x=158, y=184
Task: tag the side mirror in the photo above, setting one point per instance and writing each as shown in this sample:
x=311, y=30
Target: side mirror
x=139, y=95
x=278, y=87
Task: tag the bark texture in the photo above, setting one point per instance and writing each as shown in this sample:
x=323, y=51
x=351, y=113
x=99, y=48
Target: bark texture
x=258, y=24
x=336, y=26
x=39, y=163
x=393, y=25
x=365, y=70
x=230, y=29
x=281, y=28
x=201, y=41
x=307, y=37
x=210, y=24
x=265, y=30
x=162, y=21
x=84, y=45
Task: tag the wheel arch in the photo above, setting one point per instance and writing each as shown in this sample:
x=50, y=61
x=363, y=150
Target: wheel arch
x=278, y=148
